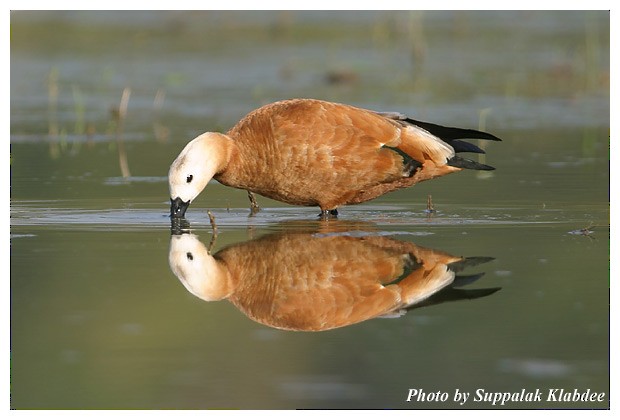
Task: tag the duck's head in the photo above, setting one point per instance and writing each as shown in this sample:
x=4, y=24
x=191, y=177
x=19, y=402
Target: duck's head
x=201, y=274
x=195, y=166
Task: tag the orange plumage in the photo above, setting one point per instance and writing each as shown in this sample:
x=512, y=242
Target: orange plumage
x=315, y=282
x=316, y=153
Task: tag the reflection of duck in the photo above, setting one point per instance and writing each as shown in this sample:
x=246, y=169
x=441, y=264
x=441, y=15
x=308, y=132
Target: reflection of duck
x=315, y=282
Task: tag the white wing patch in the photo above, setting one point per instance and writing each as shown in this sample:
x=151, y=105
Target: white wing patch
x=438, y=150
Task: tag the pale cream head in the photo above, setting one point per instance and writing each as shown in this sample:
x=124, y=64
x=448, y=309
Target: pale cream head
x=201, y=274
x=196, y=165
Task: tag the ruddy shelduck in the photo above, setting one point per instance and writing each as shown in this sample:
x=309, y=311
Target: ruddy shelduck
x=315, y=153
x=315, y=282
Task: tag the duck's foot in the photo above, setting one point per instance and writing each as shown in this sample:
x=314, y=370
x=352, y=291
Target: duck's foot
x=328, y=214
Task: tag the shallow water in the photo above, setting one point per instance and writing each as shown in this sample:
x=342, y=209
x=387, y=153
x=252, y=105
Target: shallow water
x=98, y=318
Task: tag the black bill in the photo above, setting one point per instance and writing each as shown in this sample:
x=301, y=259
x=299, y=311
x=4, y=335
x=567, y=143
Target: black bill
x=178, y=207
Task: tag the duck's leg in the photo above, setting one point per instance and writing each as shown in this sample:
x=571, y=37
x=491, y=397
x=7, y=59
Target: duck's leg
x=328, y=214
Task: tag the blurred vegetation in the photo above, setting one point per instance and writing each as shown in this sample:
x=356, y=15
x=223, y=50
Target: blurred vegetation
x=205, y=60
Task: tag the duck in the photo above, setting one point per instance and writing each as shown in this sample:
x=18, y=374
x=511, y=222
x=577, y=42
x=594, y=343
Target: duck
x=311, y=281
x=310, y=152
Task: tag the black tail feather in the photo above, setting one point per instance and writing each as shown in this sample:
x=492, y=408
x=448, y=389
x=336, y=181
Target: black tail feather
x=452, y=133
x=450, y=294
x=459, y=266
x=459, y=162
x=463, y=146
x=460, y=280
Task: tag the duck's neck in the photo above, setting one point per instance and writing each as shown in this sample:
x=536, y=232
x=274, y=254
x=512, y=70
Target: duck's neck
x=219, y=148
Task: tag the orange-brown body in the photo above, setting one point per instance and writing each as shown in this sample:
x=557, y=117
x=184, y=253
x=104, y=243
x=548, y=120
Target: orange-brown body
x=319, y=283
x=316, y=153
x=310, y=153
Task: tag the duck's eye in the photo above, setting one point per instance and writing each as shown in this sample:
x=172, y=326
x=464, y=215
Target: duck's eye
x=189, y=178
x=189, y=256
